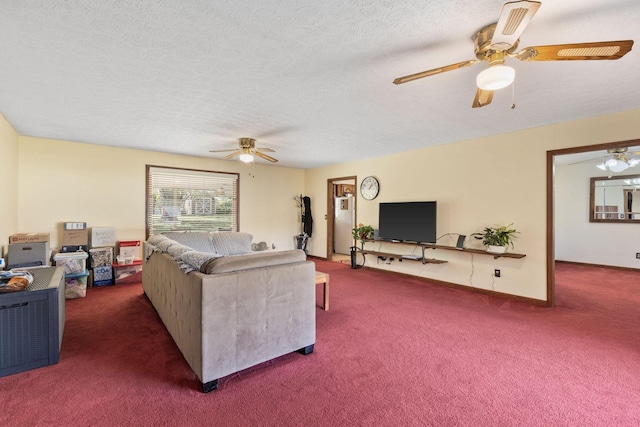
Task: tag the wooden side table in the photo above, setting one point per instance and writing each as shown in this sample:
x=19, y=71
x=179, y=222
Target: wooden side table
x=324, y=278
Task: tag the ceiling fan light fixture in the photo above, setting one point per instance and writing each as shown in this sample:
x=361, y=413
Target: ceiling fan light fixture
x=602, y=166
x=496, y=77
x=617, y=165
x=247, y=158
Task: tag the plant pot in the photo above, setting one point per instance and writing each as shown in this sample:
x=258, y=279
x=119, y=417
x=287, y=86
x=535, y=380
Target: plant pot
x=496, y=249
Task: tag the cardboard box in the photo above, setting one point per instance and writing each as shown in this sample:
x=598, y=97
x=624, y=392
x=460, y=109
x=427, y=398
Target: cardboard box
x=101, y=257
x=73, y=262
x=128, y=273
x=103, y=276
x=129, y=250
x=29, y=238
x=28, y=254
x=103, y=236
x=75, y=237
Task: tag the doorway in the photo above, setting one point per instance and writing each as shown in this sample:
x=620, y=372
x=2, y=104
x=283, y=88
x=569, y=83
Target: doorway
x=341, y=216
x=551, y=159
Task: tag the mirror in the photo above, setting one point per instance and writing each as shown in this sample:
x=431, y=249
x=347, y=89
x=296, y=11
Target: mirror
x=615, y=199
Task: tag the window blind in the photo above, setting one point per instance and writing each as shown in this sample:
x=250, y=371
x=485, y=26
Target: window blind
x=190, y=200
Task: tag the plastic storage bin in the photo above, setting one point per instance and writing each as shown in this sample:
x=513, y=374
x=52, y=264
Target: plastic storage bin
x=128, y=273
x=76, y=285
x=73, y=262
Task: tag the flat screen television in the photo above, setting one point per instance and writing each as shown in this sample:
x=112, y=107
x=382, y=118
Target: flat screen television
x=408, y=221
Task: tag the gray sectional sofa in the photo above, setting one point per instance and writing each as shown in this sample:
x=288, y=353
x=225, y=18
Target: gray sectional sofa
x=228, y=308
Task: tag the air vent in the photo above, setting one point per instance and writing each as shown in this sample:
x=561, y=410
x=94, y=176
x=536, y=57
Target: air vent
x=590, y=51
x=516, y=16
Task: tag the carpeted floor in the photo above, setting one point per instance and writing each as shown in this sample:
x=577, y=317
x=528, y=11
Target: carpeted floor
x=391, y=351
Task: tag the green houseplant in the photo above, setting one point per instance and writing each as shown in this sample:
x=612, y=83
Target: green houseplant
x=362, y=232
x=497, y=238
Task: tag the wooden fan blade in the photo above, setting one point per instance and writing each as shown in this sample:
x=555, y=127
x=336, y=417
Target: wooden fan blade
x=514, y=18
x=483, y=97
x=576, y=51
x=264, y=149
x=232, y=155
x=428, y=73
x=264, y=156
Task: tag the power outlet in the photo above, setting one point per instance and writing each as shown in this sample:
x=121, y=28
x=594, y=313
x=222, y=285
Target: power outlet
x=637, y=255
x=496, y=272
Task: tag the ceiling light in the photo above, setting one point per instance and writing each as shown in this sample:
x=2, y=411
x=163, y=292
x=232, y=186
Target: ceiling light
x=247, y=158
x=496, y=77
x=618, y=165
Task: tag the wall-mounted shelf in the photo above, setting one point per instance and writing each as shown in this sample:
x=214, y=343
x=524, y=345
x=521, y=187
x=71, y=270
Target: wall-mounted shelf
x=475, y=251
x=424, y=246
x=403, y=257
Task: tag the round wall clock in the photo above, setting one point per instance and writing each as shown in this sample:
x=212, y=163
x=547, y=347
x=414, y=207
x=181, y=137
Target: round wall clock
x=370, y=187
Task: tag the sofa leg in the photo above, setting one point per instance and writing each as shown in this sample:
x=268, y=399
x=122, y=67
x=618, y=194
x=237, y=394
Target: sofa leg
x=306, y=350
x=210, y=386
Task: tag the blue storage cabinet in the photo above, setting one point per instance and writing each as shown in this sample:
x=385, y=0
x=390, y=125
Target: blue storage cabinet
x=32, y=322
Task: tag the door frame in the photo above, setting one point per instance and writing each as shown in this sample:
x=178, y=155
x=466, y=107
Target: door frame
x=551, y=255
x=331, y=208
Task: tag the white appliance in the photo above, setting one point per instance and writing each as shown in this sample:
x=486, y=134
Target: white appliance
x=343, y=223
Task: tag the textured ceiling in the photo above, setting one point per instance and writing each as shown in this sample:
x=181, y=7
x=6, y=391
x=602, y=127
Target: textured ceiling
x=310, y=79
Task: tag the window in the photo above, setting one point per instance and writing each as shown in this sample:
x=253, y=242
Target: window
x=190, y=200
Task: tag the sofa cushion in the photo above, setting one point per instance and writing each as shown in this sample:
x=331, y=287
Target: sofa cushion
x=230, y=243
x=254, y=260
x=199, y=241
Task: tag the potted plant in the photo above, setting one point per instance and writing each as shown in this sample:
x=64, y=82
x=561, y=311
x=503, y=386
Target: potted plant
x=497, y=238
x=362, y=232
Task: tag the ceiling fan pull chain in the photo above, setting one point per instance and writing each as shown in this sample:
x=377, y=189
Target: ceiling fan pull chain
x=513, y=95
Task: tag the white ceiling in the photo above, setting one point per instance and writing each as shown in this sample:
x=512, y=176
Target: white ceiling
x=310, y=79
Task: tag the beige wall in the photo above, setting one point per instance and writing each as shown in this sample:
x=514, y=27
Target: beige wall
x=579, y=240
x=63, y=181
x=8, y=182
x=477, y=183
x=487, y=181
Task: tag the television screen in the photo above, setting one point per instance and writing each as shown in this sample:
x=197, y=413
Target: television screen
x=408, y=221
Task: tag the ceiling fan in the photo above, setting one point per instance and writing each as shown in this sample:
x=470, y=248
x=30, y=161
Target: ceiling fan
x=248, y=150
x=499, y=40
x=618, y=160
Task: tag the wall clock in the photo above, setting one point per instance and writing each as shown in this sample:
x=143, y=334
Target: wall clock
x=369, y=188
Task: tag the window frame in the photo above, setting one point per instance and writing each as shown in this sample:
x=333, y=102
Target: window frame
x=189, y=174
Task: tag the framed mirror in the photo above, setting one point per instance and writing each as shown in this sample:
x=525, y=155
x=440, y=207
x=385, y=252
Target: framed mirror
x=615, y=199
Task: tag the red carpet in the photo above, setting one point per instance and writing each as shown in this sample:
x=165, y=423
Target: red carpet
x=391, y=351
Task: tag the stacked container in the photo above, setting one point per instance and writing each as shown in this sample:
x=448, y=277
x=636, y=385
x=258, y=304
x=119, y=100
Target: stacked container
x=75, y=272
x=101, y=271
